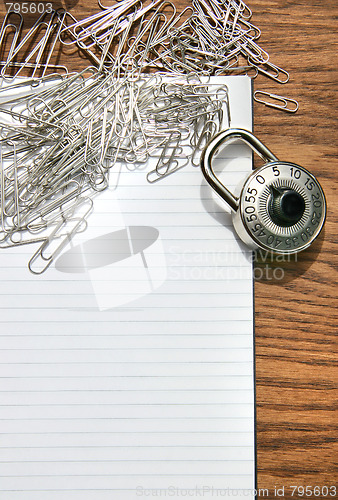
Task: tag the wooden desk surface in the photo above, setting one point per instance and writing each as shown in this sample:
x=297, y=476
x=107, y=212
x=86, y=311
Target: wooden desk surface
x=296, y=317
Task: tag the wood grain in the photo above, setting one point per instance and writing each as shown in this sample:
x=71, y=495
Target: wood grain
x=296, y=317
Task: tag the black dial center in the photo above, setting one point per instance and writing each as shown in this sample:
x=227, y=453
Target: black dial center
x=286, y=206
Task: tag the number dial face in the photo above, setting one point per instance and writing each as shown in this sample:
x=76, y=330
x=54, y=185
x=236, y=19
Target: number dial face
x=255, y=200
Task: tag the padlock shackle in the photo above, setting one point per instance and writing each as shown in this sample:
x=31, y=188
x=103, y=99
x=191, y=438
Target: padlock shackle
x=222, y=139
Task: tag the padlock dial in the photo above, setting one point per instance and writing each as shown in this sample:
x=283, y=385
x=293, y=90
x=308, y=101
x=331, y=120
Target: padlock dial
x=281, y=208
x=286, y=206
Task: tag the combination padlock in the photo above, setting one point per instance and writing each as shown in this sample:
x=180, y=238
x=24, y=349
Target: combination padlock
x=281, y=207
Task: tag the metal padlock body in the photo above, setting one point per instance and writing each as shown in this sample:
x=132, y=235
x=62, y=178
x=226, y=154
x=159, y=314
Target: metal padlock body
x=281, y=207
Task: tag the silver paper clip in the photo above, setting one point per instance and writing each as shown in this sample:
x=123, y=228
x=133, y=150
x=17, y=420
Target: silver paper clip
x=277, y=101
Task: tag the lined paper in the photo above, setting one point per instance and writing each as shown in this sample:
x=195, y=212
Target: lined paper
x=126, y=370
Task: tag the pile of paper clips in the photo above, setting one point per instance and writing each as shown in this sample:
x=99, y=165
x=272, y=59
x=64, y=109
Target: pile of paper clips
x=63, y=132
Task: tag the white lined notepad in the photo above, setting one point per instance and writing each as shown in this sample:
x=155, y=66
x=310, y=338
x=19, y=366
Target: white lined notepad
x=134, y=378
